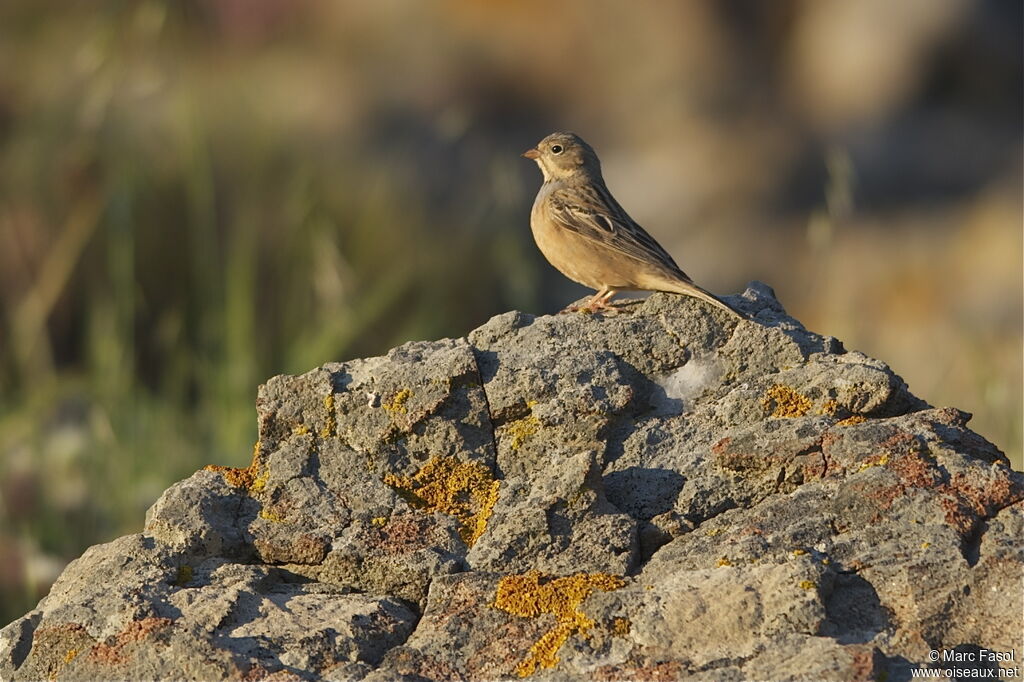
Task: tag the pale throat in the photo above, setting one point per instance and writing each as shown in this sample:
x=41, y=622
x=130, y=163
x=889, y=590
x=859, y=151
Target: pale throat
x=544, y=171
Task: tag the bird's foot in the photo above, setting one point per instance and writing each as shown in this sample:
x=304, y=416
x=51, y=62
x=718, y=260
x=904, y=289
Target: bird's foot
x=593, y=306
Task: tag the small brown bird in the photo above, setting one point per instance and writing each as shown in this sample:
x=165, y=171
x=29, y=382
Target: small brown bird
x=589, y=237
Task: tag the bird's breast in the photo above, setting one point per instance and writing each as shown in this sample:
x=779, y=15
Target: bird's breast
x=571, y=254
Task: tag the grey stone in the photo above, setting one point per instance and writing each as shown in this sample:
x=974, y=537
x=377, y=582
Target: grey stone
x=660, y=493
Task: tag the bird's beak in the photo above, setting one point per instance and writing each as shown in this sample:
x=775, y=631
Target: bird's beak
x=532, y=154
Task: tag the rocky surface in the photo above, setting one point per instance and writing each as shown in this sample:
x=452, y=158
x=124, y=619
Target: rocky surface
x=662, y=493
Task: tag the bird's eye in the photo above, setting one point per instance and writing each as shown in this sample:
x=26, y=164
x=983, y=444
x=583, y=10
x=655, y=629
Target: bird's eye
x=556, y=149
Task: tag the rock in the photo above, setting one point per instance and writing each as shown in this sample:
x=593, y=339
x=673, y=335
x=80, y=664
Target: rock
x=660, y=493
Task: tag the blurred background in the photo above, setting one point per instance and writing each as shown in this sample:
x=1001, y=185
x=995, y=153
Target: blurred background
x=197, y=195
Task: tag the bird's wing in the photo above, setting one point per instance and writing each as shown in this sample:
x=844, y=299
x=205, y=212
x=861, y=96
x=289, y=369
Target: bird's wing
x=592, y=212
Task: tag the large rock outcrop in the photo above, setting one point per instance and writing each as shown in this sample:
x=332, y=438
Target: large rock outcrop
x=663, y=493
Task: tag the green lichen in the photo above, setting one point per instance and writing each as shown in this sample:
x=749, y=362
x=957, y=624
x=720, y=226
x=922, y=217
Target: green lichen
x=183, y=576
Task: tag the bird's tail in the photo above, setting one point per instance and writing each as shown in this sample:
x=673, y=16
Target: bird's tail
x=691, y=289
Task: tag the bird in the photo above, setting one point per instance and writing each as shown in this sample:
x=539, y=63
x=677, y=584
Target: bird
x=583, y=231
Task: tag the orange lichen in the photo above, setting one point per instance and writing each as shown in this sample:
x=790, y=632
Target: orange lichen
x=852, y=420
x=489, y=498
x=531, y=594
x=70, y=656
x=252, y=478
x=784, y=402
x=465, y=490
x=111, y=652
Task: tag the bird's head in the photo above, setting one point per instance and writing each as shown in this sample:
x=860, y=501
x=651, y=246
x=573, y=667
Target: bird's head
x=562, y=156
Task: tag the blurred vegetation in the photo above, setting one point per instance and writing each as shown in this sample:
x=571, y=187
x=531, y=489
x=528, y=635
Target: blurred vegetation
x=197, y=195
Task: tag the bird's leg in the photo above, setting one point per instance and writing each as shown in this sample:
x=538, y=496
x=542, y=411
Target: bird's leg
x=597, y=302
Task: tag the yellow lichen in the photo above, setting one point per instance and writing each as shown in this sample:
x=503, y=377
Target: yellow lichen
x=785, y=402
x=260, y=482
x=379, y=520
x=465, y=490
x=531, y=594
x=712, y=532
x=621, y=627
x=272, y=516
x=723, y=562
x=925, y=545
x=330, y=428
x=850, y=421
x=830, y=408
x=252, y=477
x=799, y=552
x=879, y=461
x=398, y=401
x=521, y=429
x=300, y=430
x=479, y=524
x=807, y=585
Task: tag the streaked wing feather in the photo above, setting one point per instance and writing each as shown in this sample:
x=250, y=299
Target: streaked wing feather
x=593, y=213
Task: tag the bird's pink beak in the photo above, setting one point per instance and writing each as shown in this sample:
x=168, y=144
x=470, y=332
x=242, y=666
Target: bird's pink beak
x=532, y=154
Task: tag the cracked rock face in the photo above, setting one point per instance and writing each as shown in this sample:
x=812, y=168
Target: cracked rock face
x=662, y=493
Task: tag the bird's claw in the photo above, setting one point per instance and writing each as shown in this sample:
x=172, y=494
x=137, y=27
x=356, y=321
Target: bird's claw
x=592, y=307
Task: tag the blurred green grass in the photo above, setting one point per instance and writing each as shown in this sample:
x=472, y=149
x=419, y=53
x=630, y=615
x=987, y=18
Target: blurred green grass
x=197, y=196
x=167, y=250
